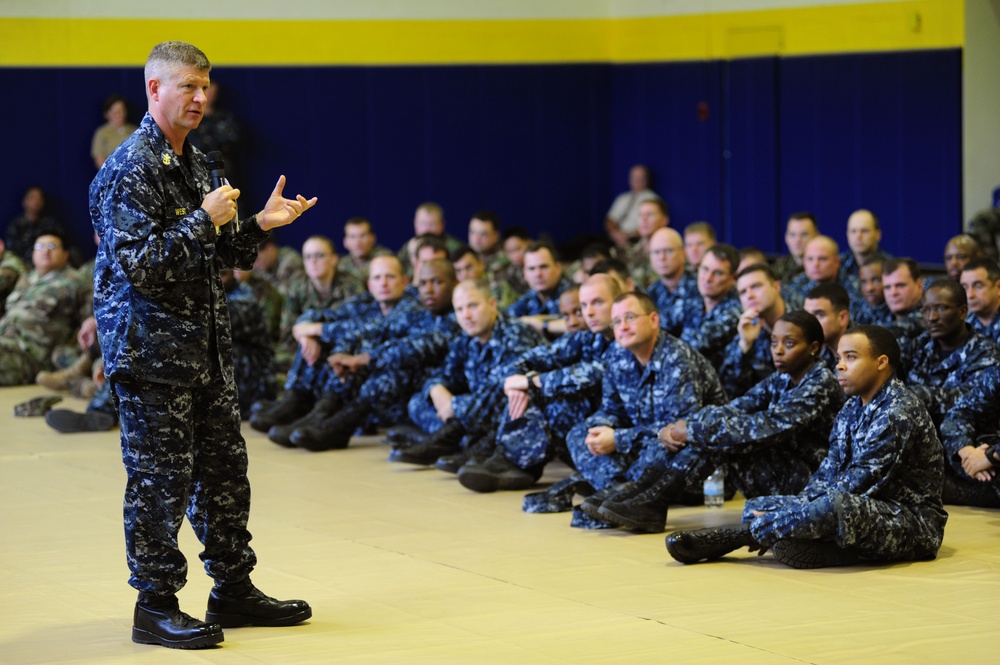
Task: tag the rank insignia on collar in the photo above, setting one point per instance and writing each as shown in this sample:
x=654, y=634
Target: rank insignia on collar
x=166, y=159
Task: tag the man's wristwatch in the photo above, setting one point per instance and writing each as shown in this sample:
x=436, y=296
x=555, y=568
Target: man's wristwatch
x=533, y=390
x=991, y=455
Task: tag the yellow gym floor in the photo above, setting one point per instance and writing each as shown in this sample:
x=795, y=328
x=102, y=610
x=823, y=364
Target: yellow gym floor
x=404, y=565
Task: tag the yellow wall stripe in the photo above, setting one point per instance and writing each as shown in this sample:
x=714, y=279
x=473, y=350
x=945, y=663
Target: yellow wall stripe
x=887, y=26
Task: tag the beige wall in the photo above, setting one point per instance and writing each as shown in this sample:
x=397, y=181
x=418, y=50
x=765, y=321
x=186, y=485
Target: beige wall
x=981, y=104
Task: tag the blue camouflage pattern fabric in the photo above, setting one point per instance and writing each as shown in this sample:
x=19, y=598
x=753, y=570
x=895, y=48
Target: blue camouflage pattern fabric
x=636, y=402
x=706, y=331
x=340, y=319
x=530, y=305
x=740, y=371
x=862, y=312
x=385, y=389
x=991, y=331
x=939, y=377
x=103, y=400
x=473, y=371
x=570, y=371
x=973, y=420
x=878, y=490
x=976, y=413
x=828, y=358
x=849, y=263
x=164, y=329
x=666, y=300
x=421, y=351
x=253, y=355
x=43, y=313
x=906, y=328
x=803, y=285
x=774, y=437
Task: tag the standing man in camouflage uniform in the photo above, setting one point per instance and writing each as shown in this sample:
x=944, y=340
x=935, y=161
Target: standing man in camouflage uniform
x=876, y=496
x=42, y=313
x=164, y=330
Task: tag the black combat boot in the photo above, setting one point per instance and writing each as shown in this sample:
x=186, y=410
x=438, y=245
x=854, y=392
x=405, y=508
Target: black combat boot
x=67, y=422
x=323, y=408
x=235, y=604
x=498, y=473
x=591, y=506
x=160, y=621
x=559, y=497
x=806, y=554
x=262, y=405
x=443, y=442
x=333, y=432
x=295, y=404
x=401, y=436
x=708, y=544
x=476, y=451
x=645, y=510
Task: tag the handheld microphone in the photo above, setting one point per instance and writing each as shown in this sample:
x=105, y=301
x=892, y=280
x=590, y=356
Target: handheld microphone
x=217, y=170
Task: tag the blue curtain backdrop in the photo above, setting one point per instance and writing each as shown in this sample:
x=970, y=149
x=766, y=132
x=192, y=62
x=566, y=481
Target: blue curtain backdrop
x=740, y=144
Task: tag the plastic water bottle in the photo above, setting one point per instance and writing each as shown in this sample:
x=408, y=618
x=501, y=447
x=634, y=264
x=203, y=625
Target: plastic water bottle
x=715, y=489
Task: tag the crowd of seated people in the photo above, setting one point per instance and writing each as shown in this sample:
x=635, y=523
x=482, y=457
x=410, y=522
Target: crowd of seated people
x=835, y=389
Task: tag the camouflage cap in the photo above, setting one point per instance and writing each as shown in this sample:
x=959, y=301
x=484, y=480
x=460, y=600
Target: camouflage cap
x=38, y=406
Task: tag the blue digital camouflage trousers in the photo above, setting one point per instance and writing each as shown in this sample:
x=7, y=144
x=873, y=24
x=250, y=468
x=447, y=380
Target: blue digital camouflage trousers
x=603, y=471
x=183, y=454
x=384, y=392
x=103, y=401
x=879, y=530
x=541, y=432
x=479, y=412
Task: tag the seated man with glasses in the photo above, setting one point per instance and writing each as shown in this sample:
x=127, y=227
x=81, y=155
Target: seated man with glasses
x=650, y=379
x=950, y=353
x=43, y=312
